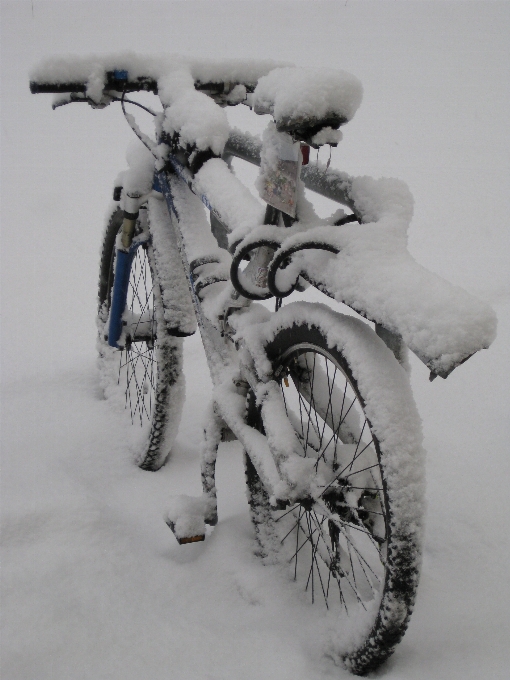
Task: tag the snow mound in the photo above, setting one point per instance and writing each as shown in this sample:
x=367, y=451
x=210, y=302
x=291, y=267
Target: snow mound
x=375, y=274
x=294, y=94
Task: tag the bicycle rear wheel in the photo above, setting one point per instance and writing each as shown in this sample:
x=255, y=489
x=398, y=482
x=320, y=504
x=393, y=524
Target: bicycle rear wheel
x=146, y=376
x=355, y=547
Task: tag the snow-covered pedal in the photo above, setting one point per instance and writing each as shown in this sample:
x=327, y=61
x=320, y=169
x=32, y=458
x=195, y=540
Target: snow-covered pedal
x=188, y=515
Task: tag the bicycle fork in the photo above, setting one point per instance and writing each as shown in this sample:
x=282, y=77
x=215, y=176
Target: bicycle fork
x=125, y=251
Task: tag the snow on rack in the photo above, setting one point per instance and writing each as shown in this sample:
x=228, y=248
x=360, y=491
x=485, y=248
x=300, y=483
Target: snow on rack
x=375, y=274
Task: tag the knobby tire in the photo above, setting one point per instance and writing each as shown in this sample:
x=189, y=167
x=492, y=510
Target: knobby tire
x=147, y=373
x=343, y=549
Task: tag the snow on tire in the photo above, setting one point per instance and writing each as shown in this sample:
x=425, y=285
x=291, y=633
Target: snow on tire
x=355, y=548
x=146, y=377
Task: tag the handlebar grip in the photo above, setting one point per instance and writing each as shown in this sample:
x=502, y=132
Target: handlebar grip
x=112, y=83
x=56, y=88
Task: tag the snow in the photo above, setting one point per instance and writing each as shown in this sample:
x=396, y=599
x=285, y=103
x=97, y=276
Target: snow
x=93, y=581
x=297, y=472
x=71, y=67
x=291, y=94
x=186, y=516
x=327, y=136
x=140, y=175
x=295, y=94
x=177, y=305
x=239, y=211
x=192, y=115
x=375, y=274
x=380, y=382
x=198, y=121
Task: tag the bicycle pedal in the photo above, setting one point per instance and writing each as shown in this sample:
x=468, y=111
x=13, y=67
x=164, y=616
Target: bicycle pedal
x=187, y=517
x=182, y=540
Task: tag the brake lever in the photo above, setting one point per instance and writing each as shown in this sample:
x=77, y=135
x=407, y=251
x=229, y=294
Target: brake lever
x=76, y=97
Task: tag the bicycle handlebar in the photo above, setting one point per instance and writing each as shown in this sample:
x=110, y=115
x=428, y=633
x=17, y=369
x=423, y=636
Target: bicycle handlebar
x=123, y=84
x=114, y=81
x=56, y=88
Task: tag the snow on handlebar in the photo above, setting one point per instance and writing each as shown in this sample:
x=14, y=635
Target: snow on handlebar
x=372, y=271
x=309, y=104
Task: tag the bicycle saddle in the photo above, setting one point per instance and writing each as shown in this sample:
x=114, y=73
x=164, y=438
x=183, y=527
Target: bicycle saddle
x=308, y=104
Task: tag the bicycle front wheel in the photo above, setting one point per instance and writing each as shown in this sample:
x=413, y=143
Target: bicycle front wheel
x=146, y=376
x=354, y=548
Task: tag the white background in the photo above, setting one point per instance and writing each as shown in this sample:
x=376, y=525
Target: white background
x=93, y=583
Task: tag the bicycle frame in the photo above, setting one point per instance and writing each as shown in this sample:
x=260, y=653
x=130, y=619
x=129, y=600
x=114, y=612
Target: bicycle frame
x=218, y=346
x=330, y=184
x=221, y=355
x=223, y=360
x=231, y=378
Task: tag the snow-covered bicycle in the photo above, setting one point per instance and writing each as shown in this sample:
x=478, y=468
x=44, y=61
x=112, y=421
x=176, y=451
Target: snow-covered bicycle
x=320, y=401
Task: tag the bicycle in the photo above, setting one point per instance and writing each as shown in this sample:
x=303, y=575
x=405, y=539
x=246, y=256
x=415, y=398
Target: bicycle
x=320, y=401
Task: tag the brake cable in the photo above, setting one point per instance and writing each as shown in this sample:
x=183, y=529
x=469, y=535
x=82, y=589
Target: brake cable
x=131, y=101
x=147, y=141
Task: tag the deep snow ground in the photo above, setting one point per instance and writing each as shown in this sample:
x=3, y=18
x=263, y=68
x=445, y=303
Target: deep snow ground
x=93, y=583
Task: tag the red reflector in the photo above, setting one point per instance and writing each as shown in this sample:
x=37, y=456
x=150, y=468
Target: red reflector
x=305, y=151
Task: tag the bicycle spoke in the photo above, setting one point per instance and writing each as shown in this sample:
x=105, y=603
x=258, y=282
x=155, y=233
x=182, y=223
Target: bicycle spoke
x=343, y=575
x=307, y=539
x=329, y=545
x=137, y=364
